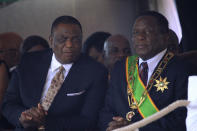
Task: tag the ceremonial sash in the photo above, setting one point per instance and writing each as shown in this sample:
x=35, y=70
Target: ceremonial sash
x=147, y=106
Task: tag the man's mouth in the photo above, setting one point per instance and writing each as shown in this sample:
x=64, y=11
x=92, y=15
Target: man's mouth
x=68, y=53
x=140, y=46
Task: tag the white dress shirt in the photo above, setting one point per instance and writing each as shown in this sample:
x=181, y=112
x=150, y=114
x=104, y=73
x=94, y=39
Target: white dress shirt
x=152, y=63
x=53, y=69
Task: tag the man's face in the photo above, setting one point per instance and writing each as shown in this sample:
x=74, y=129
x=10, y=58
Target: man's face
x=117, y=49
x=147, y=37
x=66, y=42
x=10, y=53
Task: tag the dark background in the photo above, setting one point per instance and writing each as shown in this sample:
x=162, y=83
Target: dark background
x=187, y=13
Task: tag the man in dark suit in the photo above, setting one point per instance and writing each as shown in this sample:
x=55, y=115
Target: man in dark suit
x=76, y=104
x=144, y=84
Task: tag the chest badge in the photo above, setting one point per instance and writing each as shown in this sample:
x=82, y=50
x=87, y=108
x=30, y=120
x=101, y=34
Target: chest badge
x=161, y=84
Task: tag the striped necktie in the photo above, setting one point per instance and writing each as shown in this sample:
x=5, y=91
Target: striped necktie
x=144, y=72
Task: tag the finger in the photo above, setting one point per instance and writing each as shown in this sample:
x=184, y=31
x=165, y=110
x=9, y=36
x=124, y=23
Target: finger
x=23, y=120
x=26, y=116
x=36, y=118
x=112, y=123
x=27, y=120
x=23, y=117
x=39, y=106
x=41, y=109
x=38, y=114
x=118, y=123
x=34, y=112
x=118, y=118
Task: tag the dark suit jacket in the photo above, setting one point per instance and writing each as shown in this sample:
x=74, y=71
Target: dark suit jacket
x=117, y=101
x=66, y=112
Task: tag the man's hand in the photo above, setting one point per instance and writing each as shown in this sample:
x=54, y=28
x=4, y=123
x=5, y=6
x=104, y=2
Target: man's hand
x=117, y=123
x=33, y=117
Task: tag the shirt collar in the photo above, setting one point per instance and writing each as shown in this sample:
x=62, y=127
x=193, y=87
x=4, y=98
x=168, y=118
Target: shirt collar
x=55, y=64
x=12, y=68
x=152, y=63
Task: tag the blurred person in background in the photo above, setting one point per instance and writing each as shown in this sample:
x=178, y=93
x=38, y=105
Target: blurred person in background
x=116, y=47
x=10, y=43
x=173, y=43
x=34, y=43
x=94, y=44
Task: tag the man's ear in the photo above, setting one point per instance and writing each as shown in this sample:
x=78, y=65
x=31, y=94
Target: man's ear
x=50, y=41
x=167, y=36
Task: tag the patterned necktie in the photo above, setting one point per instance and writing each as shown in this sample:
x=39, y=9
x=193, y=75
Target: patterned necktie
x=144, y=72
x=56, y=83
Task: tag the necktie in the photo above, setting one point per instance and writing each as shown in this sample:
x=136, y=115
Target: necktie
x=144, y=72
x=56, y=83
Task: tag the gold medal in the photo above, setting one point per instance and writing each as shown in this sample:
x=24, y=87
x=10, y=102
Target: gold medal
x=129, y=115
x=161, y=84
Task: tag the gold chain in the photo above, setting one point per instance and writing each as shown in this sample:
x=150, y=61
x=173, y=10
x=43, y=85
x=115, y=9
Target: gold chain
x=133, y=104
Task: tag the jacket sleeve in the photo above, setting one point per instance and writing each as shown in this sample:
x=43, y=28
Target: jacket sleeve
x=109, y=111
x=12, y=105
x=106, y=113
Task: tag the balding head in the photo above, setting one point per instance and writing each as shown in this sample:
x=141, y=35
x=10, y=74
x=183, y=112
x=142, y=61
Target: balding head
x=9, y=47
x=116, y=47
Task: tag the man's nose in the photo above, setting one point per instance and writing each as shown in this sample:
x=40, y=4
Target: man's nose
x=140, y=36
x=68, y=43
x=121, y=54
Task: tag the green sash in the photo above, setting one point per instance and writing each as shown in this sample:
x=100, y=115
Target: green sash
x=135, y=84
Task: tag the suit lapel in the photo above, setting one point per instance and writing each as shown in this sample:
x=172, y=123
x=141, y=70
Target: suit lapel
x=72, y=77
x=159, y=72
x=163, y=60
x=73, y=82
x=40, y=74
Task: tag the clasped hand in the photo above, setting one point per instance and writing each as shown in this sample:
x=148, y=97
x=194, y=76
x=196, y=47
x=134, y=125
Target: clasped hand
x=33, y=117
x=117, y=123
